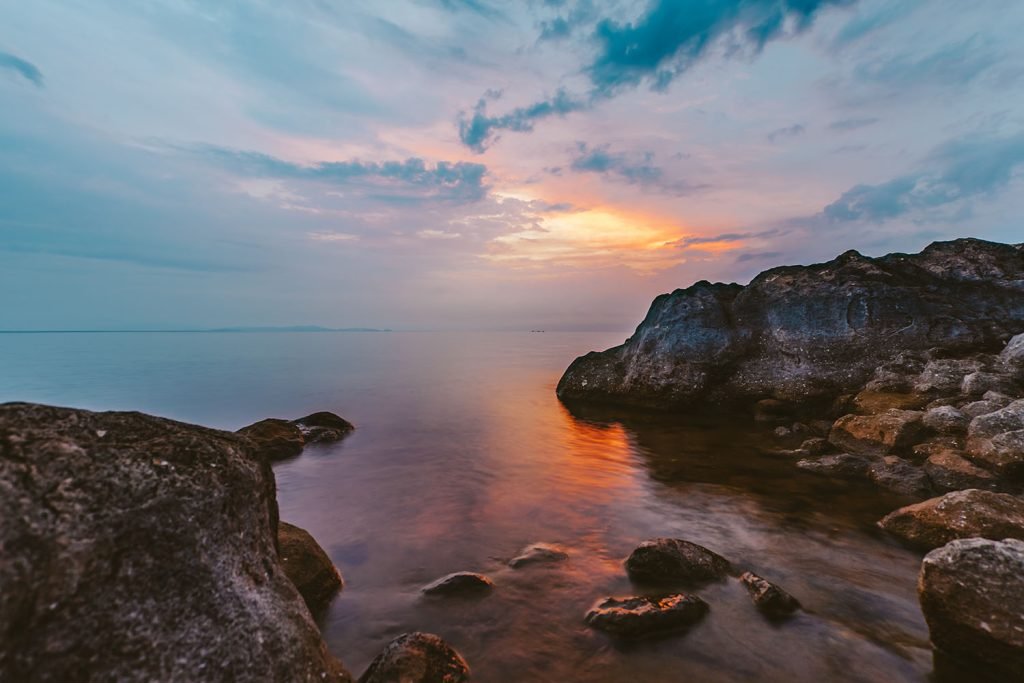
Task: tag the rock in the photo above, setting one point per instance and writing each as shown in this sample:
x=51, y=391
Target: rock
x=637, y=617
x=323, y=427
x=801, y=332
x=996, y=397
x=459, y=583
x=1007, y=419
x=843, y=465
x=978, y=383
x=773, y=602
x=946, y=420
x=961, y=514
x=900, y=476
x=1003, y=454
x=945, y=375
x=1013, y=354
x=308, y=566
x=815, y=446
x=274, y=439
x=141, y=549
x=970, y=592
x=886, y=432
x=782, y=432
x=417, y=658
x=948, y=470
x=939, y=444
x=671, y=559
x=977, y=408
x=539, y=553
x=871, y=402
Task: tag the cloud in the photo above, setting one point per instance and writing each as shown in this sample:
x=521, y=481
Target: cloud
x=844, y=125
x=956, y=171
x=869, y=22
x=793, y=131
x=696, y=240
x=954, y=64
x=640, y=171
x=479, y=131
x=411, y=179
x=333, y=237
x=562, y=26
x=27, y=70
x=759, y=256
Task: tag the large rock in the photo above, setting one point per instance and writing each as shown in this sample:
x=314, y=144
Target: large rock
x=663, y=560
x=893, y=430
x=970, y=592
x=771, y=600
x=639, y=617
x=1003, y=453
x=900, y=476
x=946, y=420
x=1013, y=354
x=459, y=583
x=945, y=375
x=961, y=514
x=948, y=470
x=417, y=658
x=323, y=427
x=308, y=566
x=134, y=548
x=798, y=332
x=275, y=439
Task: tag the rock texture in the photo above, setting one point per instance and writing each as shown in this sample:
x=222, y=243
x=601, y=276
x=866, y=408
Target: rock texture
x=459, y=583
x=961, y=514
x=772, y=601
x=970, y=592
x=892, y=430
x=308, y=566
x=666, y=560
x=639, y=617
x=275, y=439
x=799, y=332
x=538, y=553
x=134, y=548
x=417, y=658
x=323, y=427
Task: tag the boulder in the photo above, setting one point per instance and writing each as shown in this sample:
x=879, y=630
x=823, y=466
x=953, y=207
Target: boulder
x=538, y=553
x=970, y=592
x=798, y=333
x=816, y=445
x=948, y=470
x=136, y=548
x=961, y=514
x=939, y=444
x=983, y=407
x=663, y=560
x=638, y=617
x=980, y=382
x=1007, y=419
x=772, y=601
x=459, y=583
x=323, y=427
x=945, y=375
x=1003, y=453
x=870, y=402
x=946, y=420
x=1013, y=354
x=417, y=658
x=308, y=566
x=900, y=476
x=274, y=439
x=842, y=465
x=879, y=434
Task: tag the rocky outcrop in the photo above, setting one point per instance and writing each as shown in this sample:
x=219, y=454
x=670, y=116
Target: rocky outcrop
x=893, y=430
x=274, y=439
x=668, y=560
x=308, y=566
x=970, y=592
x=417, y=658
x=538, y=553
x=639, y=617
x=771, y=600
x=323, y=427
x=134, y=548
x=961, y=514
x=459, y=583
x=799, y=332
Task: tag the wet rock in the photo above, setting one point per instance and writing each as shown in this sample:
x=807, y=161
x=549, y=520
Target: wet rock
x=945, y=375
x=1003, y=454
x=970, y=592
x=880, y=434
x=662, y=560
x=842, y=465
x=417, y=658
x=323, y=427
x=539, y=553
x=459, y=583
x=948, y=470
x=639, y=617
x=815, y=446
x=142, y=549
x=772, y=601
x=946, y=420
x=308, y=566
x=961, y=514
x=274, y=439
x=871, y=402
x=900, y=476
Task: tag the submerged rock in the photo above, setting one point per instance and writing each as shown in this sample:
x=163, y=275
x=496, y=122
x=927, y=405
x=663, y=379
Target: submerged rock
x=800, y=332
x=459, y=583
x=961, y=514
x=843, y=465
x=417, y=658
x=308, y=566
x=638, y=617
x=274, y=439
x=323, y=427
x=141, y=549
x=970, y=592
x=663, y=560
x=879, y=434
x=772, y=601
x=538, y=553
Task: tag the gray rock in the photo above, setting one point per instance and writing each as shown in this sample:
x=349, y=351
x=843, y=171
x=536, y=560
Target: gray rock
x=961, y=514
x=998, y=397
x=970, y=592
x=946, y=420
x=1007, y=419
x=417, y=658
x=662, y=560
x=945, y=375
x=772, y=601
x=639, y=617
x=983, y=407
x=308, y=566
x=539, y=553
x=142, y=549
x=1013, y=354
x=459, y=583
x=900, y=476
x=980, y=382
x=893, y=430
x=842, y=465
x=1003, y=453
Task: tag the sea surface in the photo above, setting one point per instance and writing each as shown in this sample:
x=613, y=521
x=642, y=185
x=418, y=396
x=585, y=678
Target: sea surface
x=462, y=455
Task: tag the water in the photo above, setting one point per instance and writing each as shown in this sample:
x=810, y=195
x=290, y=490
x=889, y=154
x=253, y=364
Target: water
x=462, y=456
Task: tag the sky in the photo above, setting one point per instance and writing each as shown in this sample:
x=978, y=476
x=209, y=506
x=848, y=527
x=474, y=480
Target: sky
x=468, y=164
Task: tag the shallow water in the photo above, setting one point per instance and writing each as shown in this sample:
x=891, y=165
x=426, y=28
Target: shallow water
x=462, y=456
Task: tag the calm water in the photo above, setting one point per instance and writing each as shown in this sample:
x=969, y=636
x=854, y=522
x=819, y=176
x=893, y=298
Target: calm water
x=463, y=455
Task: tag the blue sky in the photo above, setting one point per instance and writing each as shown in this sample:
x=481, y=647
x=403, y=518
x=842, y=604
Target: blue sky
x=430, y=164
